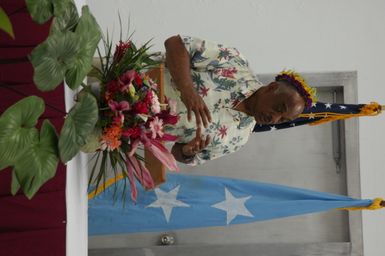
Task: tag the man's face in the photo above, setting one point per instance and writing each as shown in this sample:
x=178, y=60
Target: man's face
x=277, y=103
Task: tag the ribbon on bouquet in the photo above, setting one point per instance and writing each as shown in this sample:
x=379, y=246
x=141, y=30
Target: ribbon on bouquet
x=135, y=167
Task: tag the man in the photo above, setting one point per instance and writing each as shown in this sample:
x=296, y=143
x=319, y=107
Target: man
x=215, y=83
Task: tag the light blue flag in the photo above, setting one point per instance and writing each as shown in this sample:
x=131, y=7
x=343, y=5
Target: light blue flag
x=186, y=201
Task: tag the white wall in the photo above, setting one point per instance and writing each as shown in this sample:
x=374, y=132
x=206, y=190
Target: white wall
x=309, y=36
x=76, y=191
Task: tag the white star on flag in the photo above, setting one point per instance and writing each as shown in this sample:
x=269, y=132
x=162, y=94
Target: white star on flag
x=167, y=201
x=313, y=105
x=342, y=107
x=233, y=206
x=272, y=128
x=328, y=105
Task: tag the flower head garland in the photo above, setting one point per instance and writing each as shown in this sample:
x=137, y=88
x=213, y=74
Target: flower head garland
x=294, y=79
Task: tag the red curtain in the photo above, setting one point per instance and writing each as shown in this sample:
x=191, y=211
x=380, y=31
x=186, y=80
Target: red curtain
x=36, y=226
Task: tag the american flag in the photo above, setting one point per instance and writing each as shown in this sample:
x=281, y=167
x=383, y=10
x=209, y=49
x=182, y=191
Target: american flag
x=321, y=112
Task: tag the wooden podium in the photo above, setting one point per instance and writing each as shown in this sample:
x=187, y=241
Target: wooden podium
x=156, y=168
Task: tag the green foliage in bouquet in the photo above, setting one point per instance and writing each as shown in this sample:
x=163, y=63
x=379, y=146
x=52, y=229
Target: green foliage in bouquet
x=65, y=55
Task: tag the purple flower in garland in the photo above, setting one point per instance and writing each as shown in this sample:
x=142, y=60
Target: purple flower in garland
x=295, y=80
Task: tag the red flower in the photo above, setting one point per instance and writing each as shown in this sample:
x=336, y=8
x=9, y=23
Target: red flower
x=147, y=99
x=121, y=49
x=227, y=72
x=138, y=80
x=118, y=120
x=167, y=118
x=203, y=91
x=113, y=86
x=128, y=77
x=140, y=108
x=131, y=76
x=132, y=132
x=223, y=131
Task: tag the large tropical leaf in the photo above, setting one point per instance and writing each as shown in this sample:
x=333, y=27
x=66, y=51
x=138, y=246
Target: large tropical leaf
x=51, y=59
x=40, y=10
x=66, y=16
x=38, y=164
x=5, y=23
x=78, y=69
x=88, y=35
x=89, y=30
x=79, y=123
x=60, y=6
x=17, y=128
x=92, y=141
x=15, y=185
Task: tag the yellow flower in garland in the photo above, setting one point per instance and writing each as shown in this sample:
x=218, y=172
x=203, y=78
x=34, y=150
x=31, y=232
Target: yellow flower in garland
x=294, y=79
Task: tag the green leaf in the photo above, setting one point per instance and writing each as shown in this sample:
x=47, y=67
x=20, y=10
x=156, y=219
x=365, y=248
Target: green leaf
x=92, y=141
x=79, y=123
x=51, y=59
x=78, y=69
x=40, y=10
x=5, y=23
x=17, y=128
x=60, y=6
x=15, y=185
x=38, y=164
x=66, y=16
x=88, y=36
x=89, y=30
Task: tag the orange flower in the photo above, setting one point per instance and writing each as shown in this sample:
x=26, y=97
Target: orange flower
x=111, y=138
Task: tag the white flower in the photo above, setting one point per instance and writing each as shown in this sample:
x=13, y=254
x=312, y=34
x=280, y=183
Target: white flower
x=156, y=127
x=155, y=105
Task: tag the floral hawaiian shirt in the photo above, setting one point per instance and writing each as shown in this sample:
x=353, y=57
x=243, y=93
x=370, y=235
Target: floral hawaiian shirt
x=222, y=77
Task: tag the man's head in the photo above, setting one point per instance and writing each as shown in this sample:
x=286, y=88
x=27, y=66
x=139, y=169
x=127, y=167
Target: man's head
x=277, y=103
x=282, y=100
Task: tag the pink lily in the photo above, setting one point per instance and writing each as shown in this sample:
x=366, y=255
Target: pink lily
x=134, y=147
x=130, y=174
x=141, y=173
x=128, y=77
x=169, y=137
x=118, y=107
x=157, y=148
x=161, y=153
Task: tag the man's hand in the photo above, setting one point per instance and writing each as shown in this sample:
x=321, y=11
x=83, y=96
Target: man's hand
x=194, y=103
x=178, y=63
x=197, y=144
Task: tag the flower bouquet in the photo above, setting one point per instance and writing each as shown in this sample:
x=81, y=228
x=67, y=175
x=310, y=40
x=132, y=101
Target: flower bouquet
x=131, y=117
